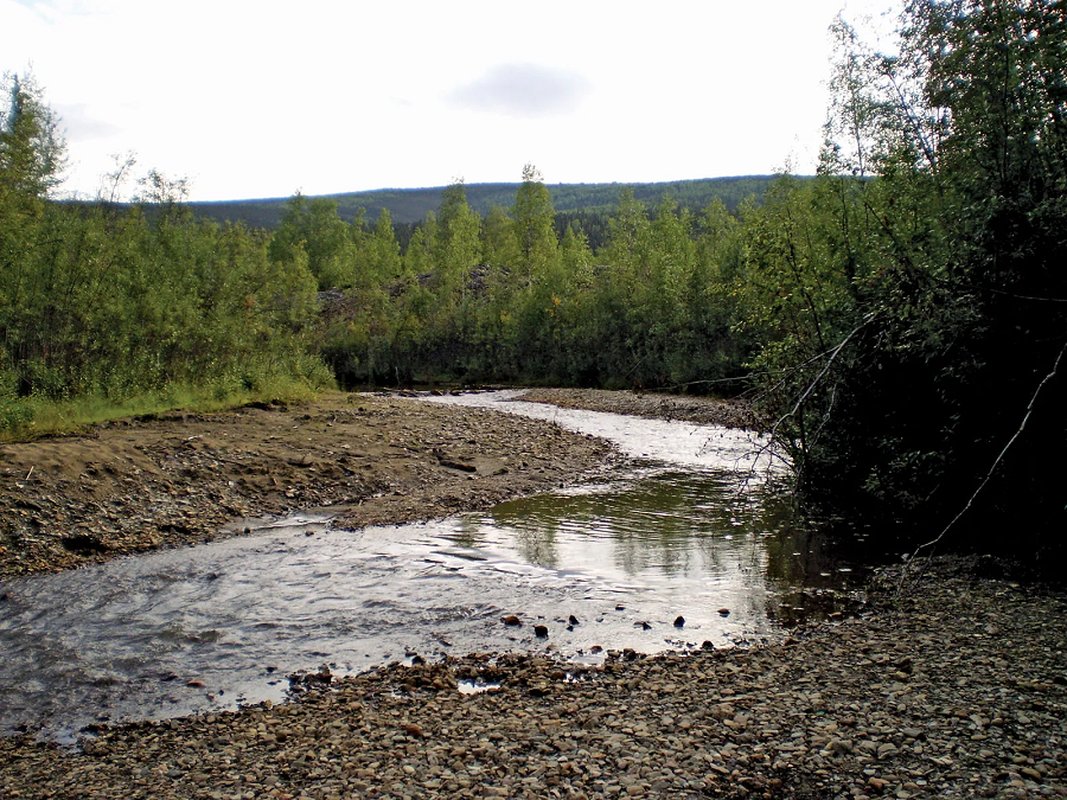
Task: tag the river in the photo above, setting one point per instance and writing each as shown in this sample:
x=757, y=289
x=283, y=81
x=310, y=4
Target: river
x=691, y=546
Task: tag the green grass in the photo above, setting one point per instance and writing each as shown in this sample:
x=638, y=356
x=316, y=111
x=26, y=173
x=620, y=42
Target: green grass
x=26, y=419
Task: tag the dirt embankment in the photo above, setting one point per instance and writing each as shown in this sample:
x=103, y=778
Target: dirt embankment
x=138, y=484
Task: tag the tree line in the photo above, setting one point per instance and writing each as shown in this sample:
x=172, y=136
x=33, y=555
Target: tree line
x=121, y=304
x=409, y=206
x=901, y=318
x=509, y=298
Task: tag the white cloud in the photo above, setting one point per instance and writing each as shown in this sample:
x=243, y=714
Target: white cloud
x=523, y=90
x=81, y=125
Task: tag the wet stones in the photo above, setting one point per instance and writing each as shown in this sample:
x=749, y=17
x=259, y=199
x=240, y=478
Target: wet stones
x=303, y=681
x=817, y=718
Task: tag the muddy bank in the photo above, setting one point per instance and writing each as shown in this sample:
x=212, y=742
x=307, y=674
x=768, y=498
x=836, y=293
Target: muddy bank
x=957, y=689
x=138, y=484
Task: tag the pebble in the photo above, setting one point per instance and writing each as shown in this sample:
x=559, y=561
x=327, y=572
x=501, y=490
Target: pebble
x=812, y=718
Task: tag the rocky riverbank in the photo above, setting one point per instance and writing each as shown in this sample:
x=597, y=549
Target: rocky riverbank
x=176, y=479
x=957, y=688
x=703, y=410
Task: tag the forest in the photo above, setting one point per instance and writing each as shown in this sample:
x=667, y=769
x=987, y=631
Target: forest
x=408, y=206
x=900, y=319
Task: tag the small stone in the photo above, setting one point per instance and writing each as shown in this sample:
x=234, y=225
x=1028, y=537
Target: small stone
x=512, y=620
x=679, y=621
x=541, y=631
x=839, y=747
x=724, y=612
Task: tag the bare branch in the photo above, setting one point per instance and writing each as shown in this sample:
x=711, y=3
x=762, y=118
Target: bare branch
x=996, y=462
x=834, y=353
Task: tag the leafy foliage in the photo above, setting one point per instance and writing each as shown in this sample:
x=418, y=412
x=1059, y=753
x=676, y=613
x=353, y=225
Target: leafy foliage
x=913, y=326
x=541, y=306
x=100, y=303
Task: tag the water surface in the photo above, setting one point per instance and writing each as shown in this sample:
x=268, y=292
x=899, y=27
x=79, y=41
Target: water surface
x=695, y=531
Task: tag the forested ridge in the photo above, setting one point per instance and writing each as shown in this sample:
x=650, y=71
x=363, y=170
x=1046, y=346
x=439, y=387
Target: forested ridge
x=408, y=206
x=901, y=318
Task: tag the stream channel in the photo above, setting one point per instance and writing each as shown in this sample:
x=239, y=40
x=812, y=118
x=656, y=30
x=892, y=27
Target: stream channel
x=695, y=527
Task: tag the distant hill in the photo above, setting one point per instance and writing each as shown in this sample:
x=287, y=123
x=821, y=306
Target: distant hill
x=411, y=205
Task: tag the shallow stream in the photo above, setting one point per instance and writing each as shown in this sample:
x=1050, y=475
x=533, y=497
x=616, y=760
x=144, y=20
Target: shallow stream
x=692, y=547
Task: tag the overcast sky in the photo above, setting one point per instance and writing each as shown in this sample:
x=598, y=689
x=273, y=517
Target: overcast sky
x=260, y=99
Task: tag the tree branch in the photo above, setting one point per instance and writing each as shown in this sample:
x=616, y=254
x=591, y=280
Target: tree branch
x=989, y=475
x=834, y=353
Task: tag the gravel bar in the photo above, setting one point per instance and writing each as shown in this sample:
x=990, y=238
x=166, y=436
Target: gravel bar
x=955, y=688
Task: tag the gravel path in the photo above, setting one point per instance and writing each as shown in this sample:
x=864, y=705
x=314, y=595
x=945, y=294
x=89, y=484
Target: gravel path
x=956, y=689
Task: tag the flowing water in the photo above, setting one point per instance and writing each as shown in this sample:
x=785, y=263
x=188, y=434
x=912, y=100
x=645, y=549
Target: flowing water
x=691, y=548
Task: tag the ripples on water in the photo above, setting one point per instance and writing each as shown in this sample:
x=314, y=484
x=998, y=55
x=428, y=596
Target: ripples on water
x=693, y=533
